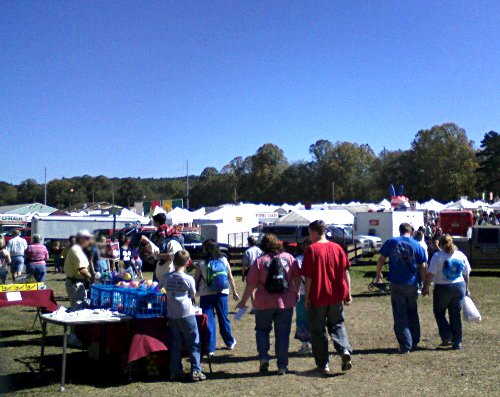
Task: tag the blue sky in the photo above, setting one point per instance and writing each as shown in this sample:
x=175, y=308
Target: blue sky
x=126, y=88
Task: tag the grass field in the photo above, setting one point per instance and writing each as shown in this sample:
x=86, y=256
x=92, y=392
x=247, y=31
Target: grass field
x=377, y=369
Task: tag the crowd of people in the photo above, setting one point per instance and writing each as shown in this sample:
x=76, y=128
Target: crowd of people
x=316, y=284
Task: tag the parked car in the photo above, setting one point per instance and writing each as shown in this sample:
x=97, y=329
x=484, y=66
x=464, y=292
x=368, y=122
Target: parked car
x=4, y=229
x=25, y=233
x=344, y=234
x=296, y=234
x=193, y=243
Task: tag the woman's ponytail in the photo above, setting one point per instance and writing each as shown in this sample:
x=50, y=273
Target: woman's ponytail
x=446, y=244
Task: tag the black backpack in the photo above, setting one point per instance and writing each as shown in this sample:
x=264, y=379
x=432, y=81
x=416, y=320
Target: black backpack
x=276, y=282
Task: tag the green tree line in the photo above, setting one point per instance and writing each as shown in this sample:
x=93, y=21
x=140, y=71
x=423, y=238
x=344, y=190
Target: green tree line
x=441, y=163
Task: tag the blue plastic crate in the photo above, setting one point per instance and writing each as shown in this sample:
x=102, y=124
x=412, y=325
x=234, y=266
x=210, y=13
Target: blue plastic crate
x=101, y=296
x=143, y=304
x=95, y=293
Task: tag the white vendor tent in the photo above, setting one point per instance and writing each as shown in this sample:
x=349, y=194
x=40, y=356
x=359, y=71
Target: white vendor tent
x=495, y=207
x=305, y=217
x=432, y=205
x=462, y=204
x=386, y=204
x=179, y=216
x=127, y=214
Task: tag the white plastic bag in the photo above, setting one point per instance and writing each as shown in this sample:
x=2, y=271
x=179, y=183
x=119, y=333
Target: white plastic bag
x=470, y=310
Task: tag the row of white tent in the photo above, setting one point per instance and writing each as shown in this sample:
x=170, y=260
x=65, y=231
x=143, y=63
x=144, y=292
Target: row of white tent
x=261, y=213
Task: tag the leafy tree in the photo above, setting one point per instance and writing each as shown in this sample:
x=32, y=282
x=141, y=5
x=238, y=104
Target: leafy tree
x=488, y=158
x=208, y=172
x=443, y=163
x=29, y=191
x=321, y=151
x=129, y=191
x=266, y=167
x=8, y=193
x=393, y=167
x=348, y=165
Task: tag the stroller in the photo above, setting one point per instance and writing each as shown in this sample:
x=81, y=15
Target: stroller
x=381, y=288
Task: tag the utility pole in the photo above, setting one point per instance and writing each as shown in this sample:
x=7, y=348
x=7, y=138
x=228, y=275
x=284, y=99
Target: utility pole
x=187, y=184
x=114, y=210
x=45, y=188
x=333, y=192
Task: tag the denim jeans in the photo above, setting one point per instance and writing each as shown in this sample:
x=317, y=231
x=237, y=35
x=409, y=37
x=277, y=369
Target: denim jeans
x=17, y=264
x=449, y=297
x=282, y=319
x=184, y=331
x=329, y=318
x=212, y=305
x=38, y=272
x=405, y=313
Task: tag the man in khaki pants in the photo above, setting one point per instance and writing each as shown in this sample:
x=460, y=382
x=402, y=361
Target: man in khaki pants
x=77, y=274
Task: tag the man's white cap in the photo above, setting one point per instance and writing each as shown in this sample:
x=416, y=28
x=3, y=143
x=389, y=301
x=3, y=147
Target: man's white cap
x=84, y=234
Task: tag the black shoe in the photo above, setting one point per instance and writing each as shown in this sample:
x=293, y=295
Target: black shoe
x=457, y=346
x=264, y=366
x=445, y=343
x=346, y=361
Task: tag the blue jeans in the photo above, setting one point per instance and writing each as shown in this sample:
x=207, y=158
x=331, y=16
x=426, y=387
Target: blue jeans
x=184, y=331
x=282, y=319
x=217, y=304
x=405, y=313
x=17, y=264
x=38, y=272
x=449, y=297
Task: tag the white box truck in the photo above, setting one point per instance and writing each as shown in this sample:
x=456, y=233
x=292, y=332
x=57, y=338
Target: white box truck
x=386, y=224
x=62, y=227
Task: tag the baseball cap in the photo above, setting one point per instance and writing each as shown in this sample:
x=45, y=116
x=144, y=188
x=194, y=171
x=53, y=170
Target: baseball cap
x=83, y=234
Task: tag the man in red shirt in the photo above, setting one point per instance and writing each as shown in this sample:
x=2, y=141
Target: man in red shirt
x=328, y=286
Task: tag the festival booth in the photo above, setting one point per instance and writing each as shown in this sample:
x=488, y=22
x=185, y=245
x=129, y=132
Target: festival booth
x=463, y=204
x=180, y=216
x=127, y=319
x=233, y=224
x=432, y=205
x=305, y=217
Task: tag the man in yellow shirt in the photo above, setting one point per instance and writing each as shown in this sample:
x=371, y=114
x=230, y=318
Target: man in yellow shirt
x=76, y=270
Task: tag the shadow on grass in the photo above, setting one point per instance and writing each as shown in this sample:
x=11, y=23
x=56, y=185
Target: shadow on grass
x=16, y=333
x=80, y=370
x=370, y=294
x=50, y=341
x=314, y=373
x=232, y=359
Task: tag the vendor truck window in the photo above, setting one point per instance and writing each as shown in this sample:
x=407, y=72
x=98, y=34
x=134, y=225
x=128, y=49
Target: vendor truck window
x=280, y=231
x=488, y=236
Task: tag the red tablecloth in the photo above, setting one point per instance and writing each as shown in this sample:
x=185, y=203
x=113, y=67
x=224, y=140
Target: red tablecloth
x=43, y=298
x=138, y=338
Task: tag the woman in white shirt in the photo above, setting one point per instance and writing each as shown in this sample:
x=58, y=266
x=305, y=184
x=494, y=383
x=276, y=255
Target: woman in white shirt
x=213, y=286
x=449, y=270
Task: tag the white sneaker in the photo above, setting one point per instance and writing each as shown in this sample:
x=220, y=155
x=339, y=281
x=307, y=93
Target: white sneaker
x=233, y=345
x=325, y=369
x=282, y=371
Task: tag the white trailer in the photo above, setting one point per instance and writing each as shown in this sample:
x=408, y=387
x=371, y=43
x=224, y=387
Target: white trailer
x=386, y=224
x=62, y=227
